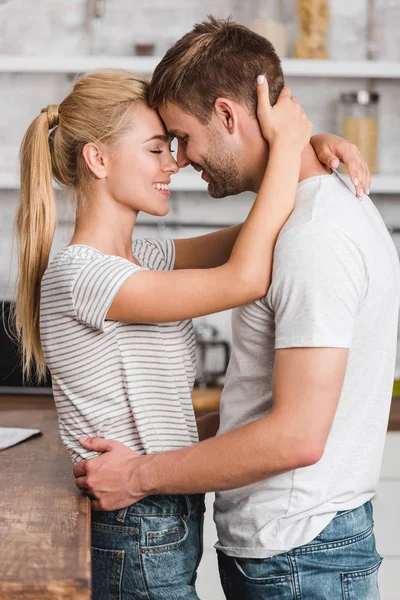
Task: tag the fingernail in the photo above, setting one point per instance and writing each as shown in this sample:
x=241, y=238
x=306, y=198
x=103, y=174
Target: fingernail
x=260, y=79
x=335, y=163
x=356, y=181
x=368, y=191
x=83, y=438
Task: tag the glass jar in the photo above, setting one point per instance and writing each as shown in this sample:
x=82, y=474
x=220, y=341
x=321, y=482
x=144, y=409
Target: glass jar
x=358, y=123
x=388, y=30
x=313, y=25
x=266, y=19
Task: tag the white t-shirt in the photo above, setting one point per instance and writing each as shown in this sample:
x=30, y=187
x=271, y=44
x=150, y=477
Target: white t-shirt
x=130, y=382
x=335, y=284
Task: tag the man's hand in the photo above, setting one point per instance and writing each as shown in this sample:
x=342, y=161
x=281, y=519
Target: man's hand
x=110, y=479
x=332, y=149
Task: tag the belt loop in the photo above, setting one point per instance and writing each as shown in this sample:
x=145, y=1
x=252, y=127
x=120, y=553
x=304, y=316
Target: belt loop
x=121, y=515
x=188, y=505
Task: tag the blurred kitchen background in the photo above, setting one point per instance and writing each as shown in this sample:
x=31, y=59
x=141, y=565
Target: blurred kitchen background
x=342, y=61
x=331, y=50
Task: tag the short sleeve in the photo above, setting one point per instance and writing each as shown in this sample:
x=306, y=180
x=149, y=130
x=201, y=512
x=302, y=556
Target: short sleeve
x=96, y=286
x=319, y=283
x=156, y=254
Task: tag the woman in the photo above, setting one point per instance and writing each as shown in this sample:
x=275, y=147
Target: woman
x=110, y=318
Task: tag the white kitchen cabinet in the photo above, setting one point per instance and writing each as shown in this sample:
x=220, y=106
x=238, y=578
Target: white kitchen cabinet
x=387, y=518
x=391, y=457
x=389, y=579
x=208, y=584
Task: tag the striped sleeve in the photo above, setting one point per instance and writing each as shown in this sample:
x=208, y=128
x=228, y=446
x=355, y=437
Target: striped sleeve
x=157, y=254
x=96, y=286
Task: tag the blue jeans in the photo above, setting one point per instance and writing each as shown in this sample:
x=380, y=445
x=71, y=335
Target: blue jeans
x=341, y=563
x=149, y=550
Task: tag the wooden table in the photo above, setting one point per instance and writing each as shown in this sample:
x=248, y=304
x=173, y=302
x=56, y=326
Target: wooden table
x=208, y=399
x=44, y=519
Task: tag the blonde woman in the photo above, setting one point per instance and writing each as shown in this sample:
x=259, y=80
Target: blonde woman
x=110, y=318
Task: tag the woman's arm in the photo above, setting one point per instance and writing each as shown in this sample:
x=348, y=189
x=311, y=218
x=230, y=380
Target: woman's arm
x=162, y=296
x=206, y=251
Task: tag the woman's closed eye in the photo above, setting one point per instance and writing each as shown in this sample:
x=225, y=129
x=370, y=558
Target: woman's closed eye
x=162, y=150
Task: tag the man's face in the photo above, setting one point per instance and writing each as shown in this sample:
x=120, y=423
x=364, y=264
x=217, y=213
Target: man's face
x=206, y=148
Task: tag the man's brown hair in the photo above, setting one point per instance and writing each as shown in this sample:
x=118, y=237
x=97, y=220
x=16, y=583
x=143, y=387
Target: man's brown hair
x=217, y=59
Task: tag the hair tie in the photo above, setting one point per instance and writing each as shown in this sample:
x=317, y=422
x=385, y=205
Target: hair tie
x=52, y=114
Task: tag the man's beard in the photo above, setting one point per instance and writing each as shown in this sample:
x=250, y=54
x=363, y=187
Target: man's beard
x=223, y=171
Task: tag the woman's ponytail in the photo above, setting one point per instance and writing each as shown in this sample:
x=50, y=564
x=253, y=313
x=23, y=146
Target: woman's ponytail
x=97, y=111
x=36, y=224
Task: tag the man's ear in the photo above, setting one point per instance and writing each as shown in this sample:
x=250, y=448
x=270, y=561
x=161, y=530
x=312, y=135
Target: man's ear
x=95, y=159
x=226, y=112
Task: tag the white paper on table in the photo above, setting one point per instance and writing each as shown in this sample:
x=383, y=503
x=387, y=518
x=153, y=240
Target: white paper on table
x=9, y=436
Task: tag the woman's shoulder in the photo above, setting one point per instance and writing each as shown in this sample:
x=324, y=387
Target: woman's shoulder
x=76, y=252
x=69, y=261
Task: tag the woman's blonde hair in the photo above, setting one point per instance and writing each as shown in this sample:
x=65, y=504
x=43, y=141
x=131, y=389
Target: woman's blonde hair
x=96, y=111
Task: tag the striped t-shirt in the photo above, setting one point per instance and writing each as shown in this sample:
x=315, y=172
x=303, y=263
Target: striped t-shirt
x=130, y=382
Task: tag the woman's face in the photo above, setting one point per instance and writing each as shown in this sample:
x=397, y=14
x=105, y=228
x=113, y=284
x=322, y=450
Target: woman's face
x=139, y=172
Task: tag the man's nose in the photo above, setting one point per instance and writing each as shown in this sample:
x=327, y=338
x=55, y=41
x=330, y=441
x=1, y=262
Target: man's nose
x=182, y=158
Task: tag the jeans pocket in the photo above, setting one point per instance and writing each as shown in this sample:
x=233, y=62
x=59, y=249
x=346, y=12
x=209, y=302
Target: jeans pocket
x=162, y=533
x=361, y=584
x=168, y=567
x=107, y=569
x=265, y=571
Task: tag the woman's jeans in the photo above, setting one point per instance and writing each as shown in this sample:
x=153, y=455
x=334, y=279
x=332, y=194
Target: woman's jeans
x=341, y=563
x=148, y=551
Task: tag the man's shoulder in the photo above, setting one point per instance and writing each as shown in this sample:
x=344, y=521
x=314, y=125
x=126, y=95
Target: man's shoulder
x=326, y=212
x=309, y=231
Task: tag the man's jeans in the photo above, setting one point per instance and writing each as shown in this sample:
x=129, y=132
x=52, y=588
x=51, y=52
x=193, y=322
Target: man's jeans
x=148, y=551
x=341, y=563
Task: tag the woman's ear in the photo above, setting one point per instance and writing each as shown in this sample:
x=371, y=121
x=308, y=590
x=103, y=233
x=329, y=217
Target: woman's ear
x=226, y=112
x=95, y=160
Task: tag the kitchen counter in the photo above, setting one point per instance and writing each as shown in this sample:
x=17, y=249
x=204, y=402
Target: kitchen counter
x=207, y=399
x=44, y=519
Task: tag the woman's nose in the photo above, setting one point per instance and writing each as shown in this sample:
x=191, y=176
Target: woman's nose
x=171, y=166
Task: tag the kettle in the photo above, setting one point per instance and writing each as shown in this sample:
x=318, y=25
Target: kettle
x=208, y=344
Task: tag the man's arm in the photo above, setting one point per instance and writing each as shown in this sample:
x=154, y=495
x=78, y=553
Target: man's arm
x=307, y=383
x=306, y=388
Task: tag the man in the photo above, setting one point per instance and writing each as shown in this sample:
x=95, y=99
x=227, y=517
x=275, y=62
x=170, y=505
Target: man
x=305, y=406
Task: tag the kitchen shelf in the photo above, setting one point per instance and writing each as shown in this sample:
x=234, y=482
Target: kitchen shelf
x=368, y=69
x=192, y=182
x=292, y=67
